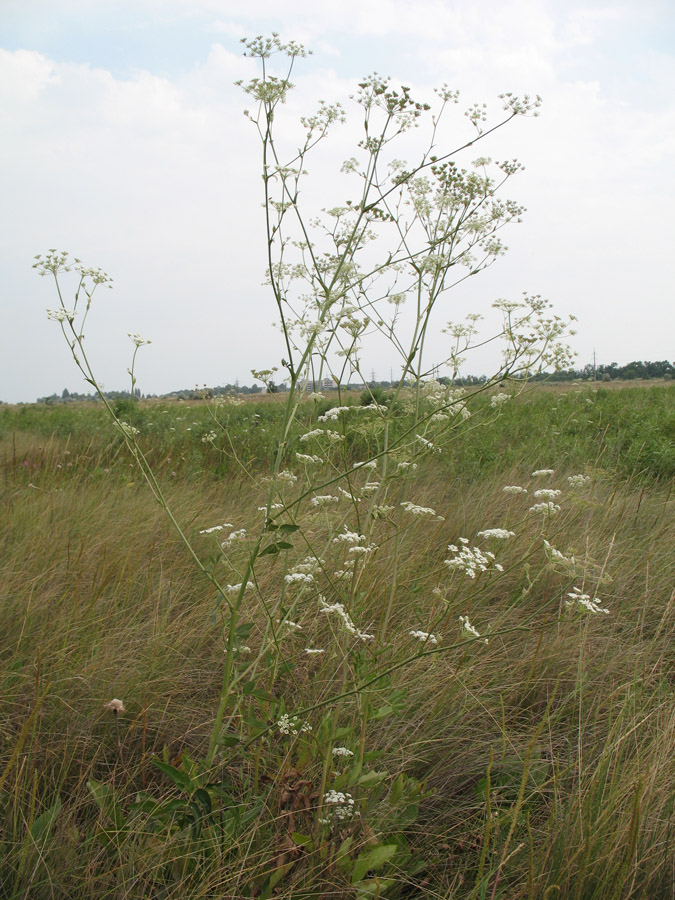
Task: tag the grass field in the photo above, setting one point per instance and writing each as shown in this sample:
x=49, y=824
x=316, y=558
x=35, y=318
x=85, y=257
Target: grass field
x=538, y=764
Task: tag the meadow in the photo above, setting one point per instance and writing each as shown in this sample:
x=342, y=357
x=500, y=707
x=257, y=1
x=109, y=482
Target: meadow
x=476, y=703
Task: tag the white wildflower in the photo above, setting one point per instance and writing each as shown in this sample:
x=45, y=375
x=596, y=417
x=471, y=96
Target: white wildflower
x=577, y=481
x=349, y=537
x=129, y=430
x=288, y=477
x=314, y=651
x=299, y=578
x=339, y=610
x=407, y=465
x=61, y=315
x=371, y=464
x=415, y=510
x=469, y=628
x=292, y=725
x=342, y=751
x=501, y=534
x=538, y=472
x=548, y=509
x=310, y=459
x=315, y=395
x=138, y=340
x=425, y=636
x=323, y=500
x=331, y=415
x=340, y=807
x=498, y=400
x=216, y=528
x=471, y=560
x=585, y=601
x=235, y=588
x=209, y=437
x=547, y=493
x=115, y=706
x=514, y=489
x=233, y=538
x=370, y=487
x=291, y=624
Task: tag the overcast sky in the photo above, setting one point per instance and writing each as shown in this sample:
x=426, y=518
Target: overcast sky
x=123, y=142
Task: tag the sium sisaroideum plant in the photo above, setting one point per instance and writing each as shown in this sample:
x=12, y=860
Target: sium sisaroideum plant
x=318, y=613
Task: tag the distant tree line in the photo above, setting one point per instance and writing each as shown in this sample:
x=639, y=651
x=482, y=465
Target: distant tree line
x=630, y=372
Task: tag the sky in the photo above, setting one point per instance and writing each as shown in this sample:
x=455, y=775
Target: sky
x=124, y=142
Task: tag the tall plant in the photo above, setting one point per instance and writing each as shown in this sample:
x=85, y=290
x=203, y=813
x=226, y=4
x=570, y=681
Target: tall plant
x=337, y=505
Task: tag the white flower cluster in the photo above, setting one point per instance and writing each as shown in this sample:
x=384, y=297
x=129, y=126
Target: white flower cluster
x=341, y=612
x=299, y=578
x=471, y=560
x=568, y=563
x=349, y=537
x=342, y=751
x=233, y=538
x=466, y=625
x=547, y=509
x=514, y=489
x=585, y=601
x=235, y=588
x=547, y=494
x=371, y=464
x=288, y=477
x=209, y=437
x=428, y=444
x=578, y=481
x=320, y=432
x=61, y=315
x=425, y=636
x=407, y=465
x=310, y=459
x=216, y=528
x=291, y=725
x=341, y=807
x=538, y=472
x=314, y=651
x=331, y=415
x=370, y=487
x=290, y=623
x=421, y=510
x=138, y=340
x=129, y=430
x=323, y=500
x=500, y=534
x=498, y=400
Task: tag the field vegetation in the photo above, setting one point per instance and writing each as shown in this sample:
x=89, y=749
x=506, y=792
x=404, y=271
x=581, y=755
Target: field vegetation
x=536, y=765
x=402, y=643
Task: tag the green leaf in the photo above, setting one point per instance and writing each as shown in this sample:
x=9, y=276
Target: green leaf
x=41, y=827
x=179, y=778
x=288, y=529
x=374, y=858
x=228, y=740
x=269, y=549
x=104, y=796
x=369, y=779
